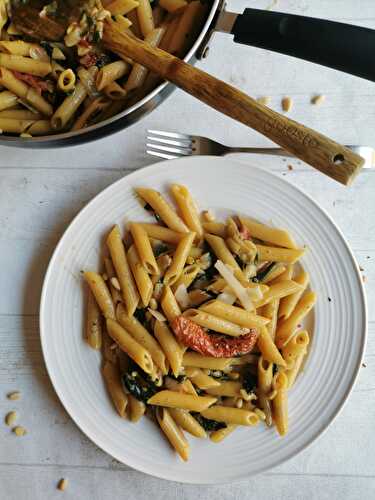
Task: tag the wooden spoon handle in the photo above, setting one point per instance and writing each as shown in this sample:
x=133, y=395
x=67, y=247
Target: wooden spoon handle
x=336, y=161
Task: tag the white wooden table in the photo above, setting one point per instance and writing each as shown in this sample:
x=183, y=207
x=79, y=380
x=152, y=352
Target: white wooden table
x=41, y=191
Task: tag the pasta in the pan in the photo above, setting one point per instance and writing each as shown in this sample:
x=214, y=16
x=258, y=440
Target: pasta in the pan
x=216, y=340
x=72, y=81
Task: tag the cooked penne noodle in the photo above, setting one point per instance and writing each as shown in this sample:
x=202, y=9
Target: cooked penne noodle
x=94, y=107
x=93, y=322
x=162, y=233
x=296, y=345
x=110, y=73
x=114, y=91
x=236, y=416
x=127, y=343
x=145, y=18
x=169, y=305
x=201, y=379
x=288, y=326
x=280, y=403
x=221, y=251
x=187, y=422
x=288, y=304
x=270, y=311
x=163, y=209
x=7, y=100
x=199, y=361
x=121, y=7
x=20, y=114
x=15, y=126
x=268, y=348
x=142, y=336
x=171, y=399
x=170, y=346
x=188, y=209
x=276, y=254
x=101, y=294
x=109, y=353
x=265, y=375
x=234, y=314
x=67, y=80
x=69, y=107
x=142, y=279
x=173, y=433
x=136, y=408
x=215, y=323
x=292, y=373
x=144, y=249
x=179, y=259
x=112, y=378
x=278, y=237
x=110, y=271
x=139, y=73
x=124, y=275
x=28, y=94
x=277, y=291
x=17, y=47
x=220, y=434
x=216, y=228
x=227, y=388
x=25, y=64
x=278, y=270
x=285, y=276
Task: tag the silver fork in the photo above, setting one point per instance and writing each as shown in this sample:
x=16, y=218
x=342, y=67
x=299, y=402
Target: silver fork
x=170, y=145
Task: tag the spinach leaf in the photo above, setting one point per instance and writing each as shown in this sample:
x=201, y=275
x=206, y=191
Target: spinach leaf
x=249, y=382
x=219, y=375
x=208, y=424
x=140, y=315
x=149, y=209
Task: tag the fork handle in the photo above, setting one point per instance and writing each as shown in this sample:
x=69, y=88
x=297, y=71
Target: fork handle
x=337, y=45
x=324, y=154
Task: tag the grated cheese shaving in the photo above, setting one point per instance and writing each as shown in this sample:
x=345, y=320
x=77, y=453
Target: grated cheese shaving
x=182, y=296
x=240, y=292
x=157, y=315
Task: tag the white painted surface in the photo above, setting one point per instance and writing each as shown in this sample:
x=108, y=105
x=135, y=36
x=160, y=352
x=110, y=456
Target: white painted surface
x=40, y=192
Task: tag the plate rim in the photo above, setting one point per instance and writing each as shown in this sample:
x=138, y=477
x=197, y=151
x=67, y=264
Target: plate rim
x=364, y=334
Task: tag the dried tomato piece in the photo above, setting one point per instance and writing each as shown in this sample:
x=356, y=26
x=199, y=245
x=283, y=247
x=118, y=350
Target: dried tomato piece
x=37, y=83
x=212, y=344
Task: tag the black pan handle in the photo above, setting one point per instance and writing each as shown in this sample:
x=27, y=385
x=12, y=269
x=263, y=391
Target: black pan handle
x=337, y=45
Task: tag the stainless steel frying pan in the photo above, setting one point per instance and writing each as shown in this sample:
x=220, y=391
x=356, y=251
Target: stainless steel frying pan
x=336, y=45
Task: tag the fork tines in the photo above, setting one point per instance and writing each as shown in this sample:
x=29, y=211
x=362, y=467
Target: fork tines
x=168, y=145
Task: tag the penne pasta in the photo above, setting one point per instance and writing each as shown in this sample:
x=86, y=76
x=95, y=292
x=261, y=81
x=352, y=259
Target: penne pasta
x=188, y=275
x=136, y=408
x=199, y=361
x=234, y=314
x=145, y=17
x=144, y=250
x=124, y=275
x=215, y=323
x=278, y=237
x=163, y=209
x=288, y=304
x=171, y=399
x=112, y=378
x=7, y=100
x=220, y=434
x=296, y=346
x=170, y=346
x=162, y=233
x=93, y=322
x=200, y=378
x=127, y=343
x=142, y=336
x=187, y=422
x=288, y=326
x=221, y=251
x=277, y=291
x=25, y=64
x=187, y=208
x=280, y=403
x=276, y=254
x=268, y=348
x=173, y=432
x=172, y=5
x=121, y=7
x=179, y=259
x=110, y=73
x=101, y=294
x=169, y=305
x=227, y=415
x=142, y=279
x=227, y=388
x=270, y=311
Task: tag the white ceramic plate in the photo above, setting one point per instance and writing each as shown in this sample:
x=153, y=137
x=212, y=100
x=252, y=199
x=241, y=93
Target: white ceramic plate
x=339, y=325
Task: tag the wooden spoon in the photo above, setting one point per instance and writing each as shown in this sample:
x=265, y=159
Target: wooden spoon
x=334, y=160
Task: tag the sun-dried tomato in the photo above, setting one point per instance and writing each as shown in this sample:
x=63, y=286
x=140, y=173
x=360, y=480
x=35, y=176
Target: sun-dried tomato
x=37, y=83
x=212, y=344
